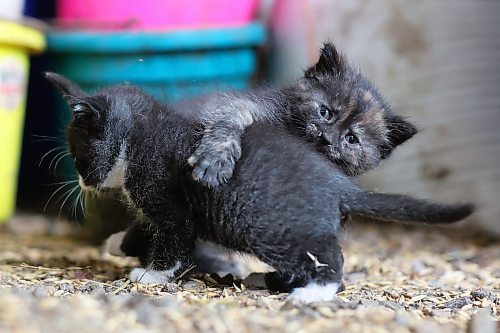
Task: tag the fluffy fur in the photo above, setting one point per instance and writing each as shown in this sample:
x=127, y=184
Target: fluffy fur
x=285, y=203
x=333, y=105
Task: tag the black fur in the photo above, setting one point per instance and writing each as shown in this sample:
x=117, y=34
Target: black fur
x=285, y=203
x=333, y=105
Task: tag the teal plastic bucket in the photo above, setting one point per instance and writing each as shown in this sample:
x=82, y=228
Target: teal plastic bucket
x=169, y=65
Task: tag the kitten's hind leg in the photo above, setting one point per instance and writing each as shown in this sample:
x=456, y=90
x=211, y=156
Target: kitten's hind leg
x=310, y=267
x=316, y=292
x=282, y=283
x=326, y=277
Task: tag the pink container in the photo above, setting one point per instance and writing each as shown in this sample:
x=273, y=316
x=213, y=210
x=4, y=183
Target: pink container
x=155, y=14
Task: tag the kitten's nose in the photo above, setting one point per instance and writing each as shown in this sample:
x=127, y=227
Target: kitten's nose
x=327, y=138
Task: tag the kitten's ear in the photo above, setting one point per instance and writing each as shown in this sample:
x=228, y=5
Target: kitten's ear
x=330, y=62
x=73, y=94
x=68, y=88
x=400, y=130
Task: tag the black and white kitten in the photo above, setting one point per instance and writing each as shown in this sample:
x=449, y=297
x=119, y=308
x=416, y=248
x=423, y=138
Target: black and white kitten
x=332, y=105
x=284, y=204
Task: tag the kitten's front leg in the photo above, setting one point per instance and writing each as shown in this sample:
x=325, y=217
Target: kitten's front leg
x=214, y=160
x=171, y=253
x=225, y=123
x=137, y=242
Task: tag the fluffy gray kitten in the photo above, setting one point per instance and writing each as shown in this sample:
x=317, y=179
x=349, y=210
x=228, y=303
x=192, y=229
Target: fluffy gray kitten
x=333, y=105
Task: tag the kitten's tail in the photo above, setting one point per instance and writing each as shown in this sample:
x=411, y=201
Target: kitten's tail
x=401, y=208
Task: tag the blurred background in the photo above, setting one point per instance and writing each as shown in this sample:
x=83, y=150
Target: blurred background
x=437, y=62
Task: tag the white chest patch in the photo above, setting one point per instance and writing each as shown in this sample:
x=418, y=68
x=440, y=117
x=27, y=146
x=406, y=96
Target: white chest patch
x=314, y=292
x=116, y=176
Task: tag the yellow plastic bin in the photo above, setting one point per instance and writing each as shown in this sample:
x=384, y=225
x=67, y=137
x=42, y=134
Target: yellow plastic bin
x=17, y=42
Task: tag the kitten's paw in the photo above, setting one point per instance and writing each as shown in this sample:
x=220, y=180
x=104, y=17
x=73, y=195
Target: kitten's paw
x=314, y=292
x=150, y=276
x=112, y=244
x=214, y=167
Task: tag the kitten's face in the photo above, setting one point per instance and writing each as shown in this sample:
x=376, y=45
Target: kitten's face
x=97, y=134
x=86, y=137
x=345, y=115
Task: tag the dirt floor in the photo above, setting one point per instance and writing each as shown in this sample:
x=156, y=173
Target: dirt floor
x=397, y=280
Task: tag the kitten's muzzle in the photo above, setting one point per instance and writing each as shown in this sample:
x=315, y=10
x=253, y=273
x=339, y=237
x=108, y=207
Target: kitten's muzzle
x=83, y=185
x=326, y=139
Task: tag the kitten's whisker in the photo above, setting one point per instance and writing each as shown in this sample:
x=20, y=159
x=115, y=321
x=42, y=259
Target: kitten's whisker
x=82, y=204
x=75, y=204
x=63, y=182
x=347, y=166
x=73, y=208
x=63, y=195
x=78, y=204
x=45, y=155
x=67, y=197
x=55, y=192
x=59, y=160
x=55, y=157
x=45, y=138
x=54, y=138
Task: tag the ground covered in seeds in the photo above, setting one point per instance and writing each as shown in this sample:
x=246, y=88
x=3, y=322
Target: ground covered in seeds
x=397, y=280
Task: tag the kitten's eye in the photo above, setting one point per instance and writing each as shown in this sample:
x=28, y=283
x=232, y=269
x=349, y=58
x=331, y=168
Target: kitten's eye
x=82, y=110
x=351, y=139
x=326, y=113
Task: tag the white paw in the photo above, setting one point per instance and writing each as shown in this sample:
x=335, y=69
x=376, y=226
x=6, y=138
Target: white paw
x=314, y=292
x=149, y=276
x=113, y=243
